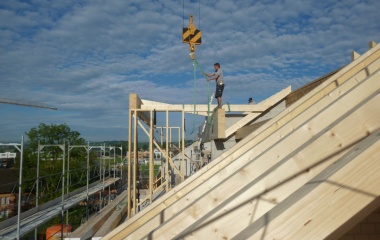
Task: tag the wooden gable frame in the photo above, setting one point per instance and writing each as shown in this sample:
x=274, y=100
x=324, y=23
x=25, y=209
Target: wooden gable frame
x=350, y=94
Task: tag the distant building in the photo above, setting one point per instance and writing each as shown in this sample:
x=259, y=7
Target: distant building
x=7, y=159
x=157, y=154
x=143, y=156
x=8, y=192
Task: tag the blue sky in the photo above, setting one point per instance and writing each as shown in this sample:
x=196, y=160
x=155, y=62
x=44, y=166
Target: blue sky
x=86, y=57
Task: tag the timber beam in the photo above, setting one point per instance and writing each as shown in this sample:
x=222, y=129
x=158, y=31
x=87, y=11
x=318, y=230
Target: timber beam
x=184, y=210
x=268, y=103
x=200, y=108
x=135, y=103
x=250, y=147
x=219, y=126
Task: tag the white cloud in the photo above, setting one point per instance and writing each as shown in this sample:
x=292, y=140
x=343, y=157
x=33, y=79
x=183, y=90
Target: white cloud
x=85, y=57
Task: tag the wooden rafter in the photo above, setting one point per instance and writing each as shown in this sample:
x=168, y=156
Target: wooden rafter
x=332, y=203
x=269, y=102
x=268, y=135
x=195, y=206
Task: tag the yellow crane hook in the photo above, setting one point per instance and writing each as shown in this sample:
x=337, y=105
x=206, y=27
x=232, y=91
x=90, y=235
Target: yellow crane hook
x=192, y=36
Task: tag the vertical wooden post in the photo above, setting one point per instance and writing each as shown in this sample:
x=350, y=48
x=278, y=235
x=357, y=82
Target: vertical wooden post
x=151, y=159
x=135, y=160
x=167, y=151
x=183, y=145
x=129, y=163
x=219, y=126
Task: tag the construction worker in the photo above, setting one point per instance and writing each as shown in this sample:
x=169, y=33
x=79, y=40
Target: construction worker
x=218, y=77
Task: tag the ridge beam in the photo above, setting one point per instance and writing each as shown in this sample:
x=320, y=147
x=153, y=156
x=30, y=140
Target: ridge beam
x=190, y=108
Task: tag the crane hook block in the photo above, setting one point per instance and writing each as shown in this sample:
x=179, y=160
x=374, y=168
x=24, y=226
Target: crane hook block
x=191, y=35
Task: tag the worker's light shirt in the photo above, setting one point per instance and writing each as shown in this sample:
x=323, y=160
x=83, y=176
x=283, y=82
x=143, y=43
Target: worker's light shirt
x=220, y=74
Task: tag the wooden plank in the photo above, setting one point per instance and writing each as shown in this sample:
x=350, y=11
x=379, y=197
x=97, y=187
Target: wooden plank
x=303, y=90
x=374, y=66
x=362, y=62
x=167, y=157
x=266, y=166
x=183, y=146
x=277, y=97
x=331, y=208
x=120, y=208
x=129, y=173
x=271, y=101
x=219, y=126
x=275, y=187
x=196, y=179
x=238, y=165
x=200, y=109
x=135, y=103
x=154, y=215
x=135, y=163
x=151, y=159
x=245, y=131
x=191, y=108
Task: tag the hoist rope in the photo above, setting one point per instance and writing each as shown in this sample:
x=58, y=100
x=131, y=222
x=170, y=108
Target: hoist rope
x=183, y=13
x=195, y=93
x=199, y=14
x=195, y=64
x=210, y=118
x=208, y=86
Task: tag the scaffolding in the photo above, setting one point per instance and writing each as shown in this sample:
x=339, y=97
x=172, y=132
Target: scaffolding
x=137, y=117
x=24, y=222
x=142, y=115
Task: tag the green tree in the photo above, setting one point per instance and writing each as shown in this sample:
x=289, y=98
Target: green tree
x=145, y=147
x=53, y=134
x=51, y=156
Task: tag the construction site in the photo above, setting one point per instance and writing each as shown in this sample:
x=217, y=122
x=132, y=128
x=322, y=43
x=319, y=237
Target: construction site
x=301, y=164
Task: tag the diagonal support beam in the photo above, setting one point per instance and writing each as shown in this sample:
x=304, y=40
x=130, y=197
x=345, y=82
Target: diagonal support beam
x=267, y=103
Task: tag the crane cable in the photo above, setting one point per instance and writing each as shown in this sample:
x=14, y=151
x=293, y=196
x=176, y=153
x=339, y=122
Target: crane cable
x=195, y=63
x=210, y=119
x=183, y=13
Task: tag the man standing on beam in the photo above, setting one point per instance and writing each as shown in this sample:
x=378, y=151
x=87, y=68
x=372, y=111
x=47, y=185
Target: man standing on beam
x=219, y=79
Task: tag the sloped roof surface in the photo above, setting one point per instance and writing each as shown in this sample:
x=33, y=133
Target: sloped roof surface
x=311, y=172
